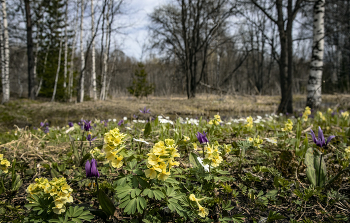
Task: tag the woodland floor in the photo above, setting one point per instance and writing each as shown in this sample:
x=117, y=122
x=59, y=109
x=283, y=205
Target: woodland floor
x=24, y=112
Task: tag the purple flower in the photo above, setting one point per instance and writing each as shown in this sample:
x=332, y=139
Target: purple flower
x=87, y=125
x=333, y=113
x=121, y=122
x=321, y=142
x=91, y=169
x=145, y=110
x=135, y=116
x=42, y=124
x=202, y=138
x=90, y=139
x=70, y=124
x=46, y=130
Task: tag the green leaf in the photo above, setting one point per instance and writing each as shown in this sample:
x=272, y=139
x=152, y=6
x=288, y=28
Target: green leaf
x=158, y=194
x=131, y=207
x=148, y=130
x=105, y=202
x=309, y=162
x=86, y=157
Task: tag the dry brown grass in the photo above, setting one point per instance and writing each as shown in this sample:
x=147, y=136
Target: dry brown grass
x=28, y=113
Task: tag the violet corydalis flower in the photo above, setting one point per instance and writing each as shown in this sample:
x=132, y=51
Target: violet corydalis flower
x=145, y=110
x=42, y=124
x=46, y=130
x=87, y=125
x=70, y=124
x=91, y=169
x=202, y=138
x=121, y=122
x=90, y=139
x=320, y=141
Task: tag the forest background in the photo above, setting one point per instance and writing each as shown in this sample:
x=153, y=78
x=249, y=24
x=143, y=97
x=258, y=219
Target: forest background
x=72, y=50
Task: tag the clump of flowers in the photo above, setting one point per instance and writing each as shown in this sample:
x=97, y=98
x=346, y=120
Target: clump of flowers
x=161, y=159
x=212, y=155
x=329, y=111
x=288, y=126
x=306, y=113
x=345, y=115
x=347, y=153
x=216, y=120
x=114, y=140
x=97, y=154
x=201, y=210
x=249, y=124
x=321, y=116
x=256, y=141
x=320, y=141
x=227, y=148
x=91, y=169
x=4, y=164
x=57, y=189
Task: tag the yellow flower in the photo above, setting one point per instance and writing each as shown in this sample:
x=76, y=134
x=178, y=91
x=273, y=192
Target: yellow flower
x=227, y=148
x=306, y=114
x=192, y=197
x=186, y=138
x=151, y=173
x=117, y=162
x=203, y=212
x=288, y=126
x=250, y=139
x=216, y=120
x=195, y=147
x=4, y=164
x=154, y=160
x=319, y=114
x=249, y=124
x=163, y=175
x=345, y=114
x=329, y=110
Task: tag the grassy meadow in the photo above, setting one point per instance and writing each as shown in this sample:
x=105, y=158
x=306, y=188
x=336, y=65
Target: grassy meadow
x=209, y=159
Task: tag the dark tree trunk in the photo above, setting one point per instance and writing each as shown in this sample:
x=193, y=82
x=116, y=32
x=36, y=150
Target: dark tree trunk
x=30, y=53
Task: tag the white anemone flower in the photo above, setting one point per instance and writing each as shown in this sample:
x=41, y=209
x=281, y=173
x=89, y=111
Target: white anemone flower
x=206, y=167
x=140, y=140
x=271, y=140
x=125, y=118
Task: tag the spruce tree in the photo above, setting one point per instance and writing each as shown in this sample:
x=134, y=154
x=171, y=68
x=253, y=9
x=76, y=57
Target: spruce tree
x=140, y=86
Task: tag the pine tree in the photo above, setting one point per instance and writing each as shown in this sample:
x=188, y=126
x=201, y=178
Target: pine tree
x=140, y=86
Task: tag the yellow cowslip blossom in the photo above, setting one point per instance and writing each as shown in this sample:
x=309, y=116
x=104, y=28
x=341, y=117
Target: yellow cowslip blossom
x=227, y=148
x=97, y=154
x=4, y=164
x=161, y=159
x=249, y=124
x=306, y=113
x=57, y=188
x=201, y=210
x=329, y=110
x=186, y=138
x=256, y=141
x=288, y=126
x=114, y=140
x=212, y=155
x=321, y=116
x=216, y=120
x=345, y=115
x=195, y=147
x=347, y=153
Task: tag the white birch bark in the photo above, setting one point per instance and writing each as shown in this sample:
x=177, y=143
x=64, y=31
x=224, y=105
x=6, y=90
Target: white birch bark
x=41, y=79
x=2, y=53
x=81, y=88
x=6, y=58
x=315, y=76
x=105, y=65
x=58, y=71
x=65, y=47
x=93, y=71
x=71, y=70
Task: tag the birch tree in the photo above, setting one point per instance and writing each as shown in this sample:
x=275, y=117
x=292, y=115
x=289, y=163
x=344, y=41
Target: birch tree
x=6, y=57
x=315, y=76
x=93, y=93
x=82, y=72
x=65, y=46
x=58, y=71
x=105, y=65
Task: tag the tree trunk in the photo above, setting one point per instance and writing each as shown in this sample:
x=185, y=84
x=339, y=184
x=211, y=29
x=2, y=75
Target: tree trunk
x=82, y=72
x=30, y=53
x=315, y=76
x=6, y=58
x=71, y=70
x=58, y=71
x=105, y=55
x=93, y=72
x=65, y=47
